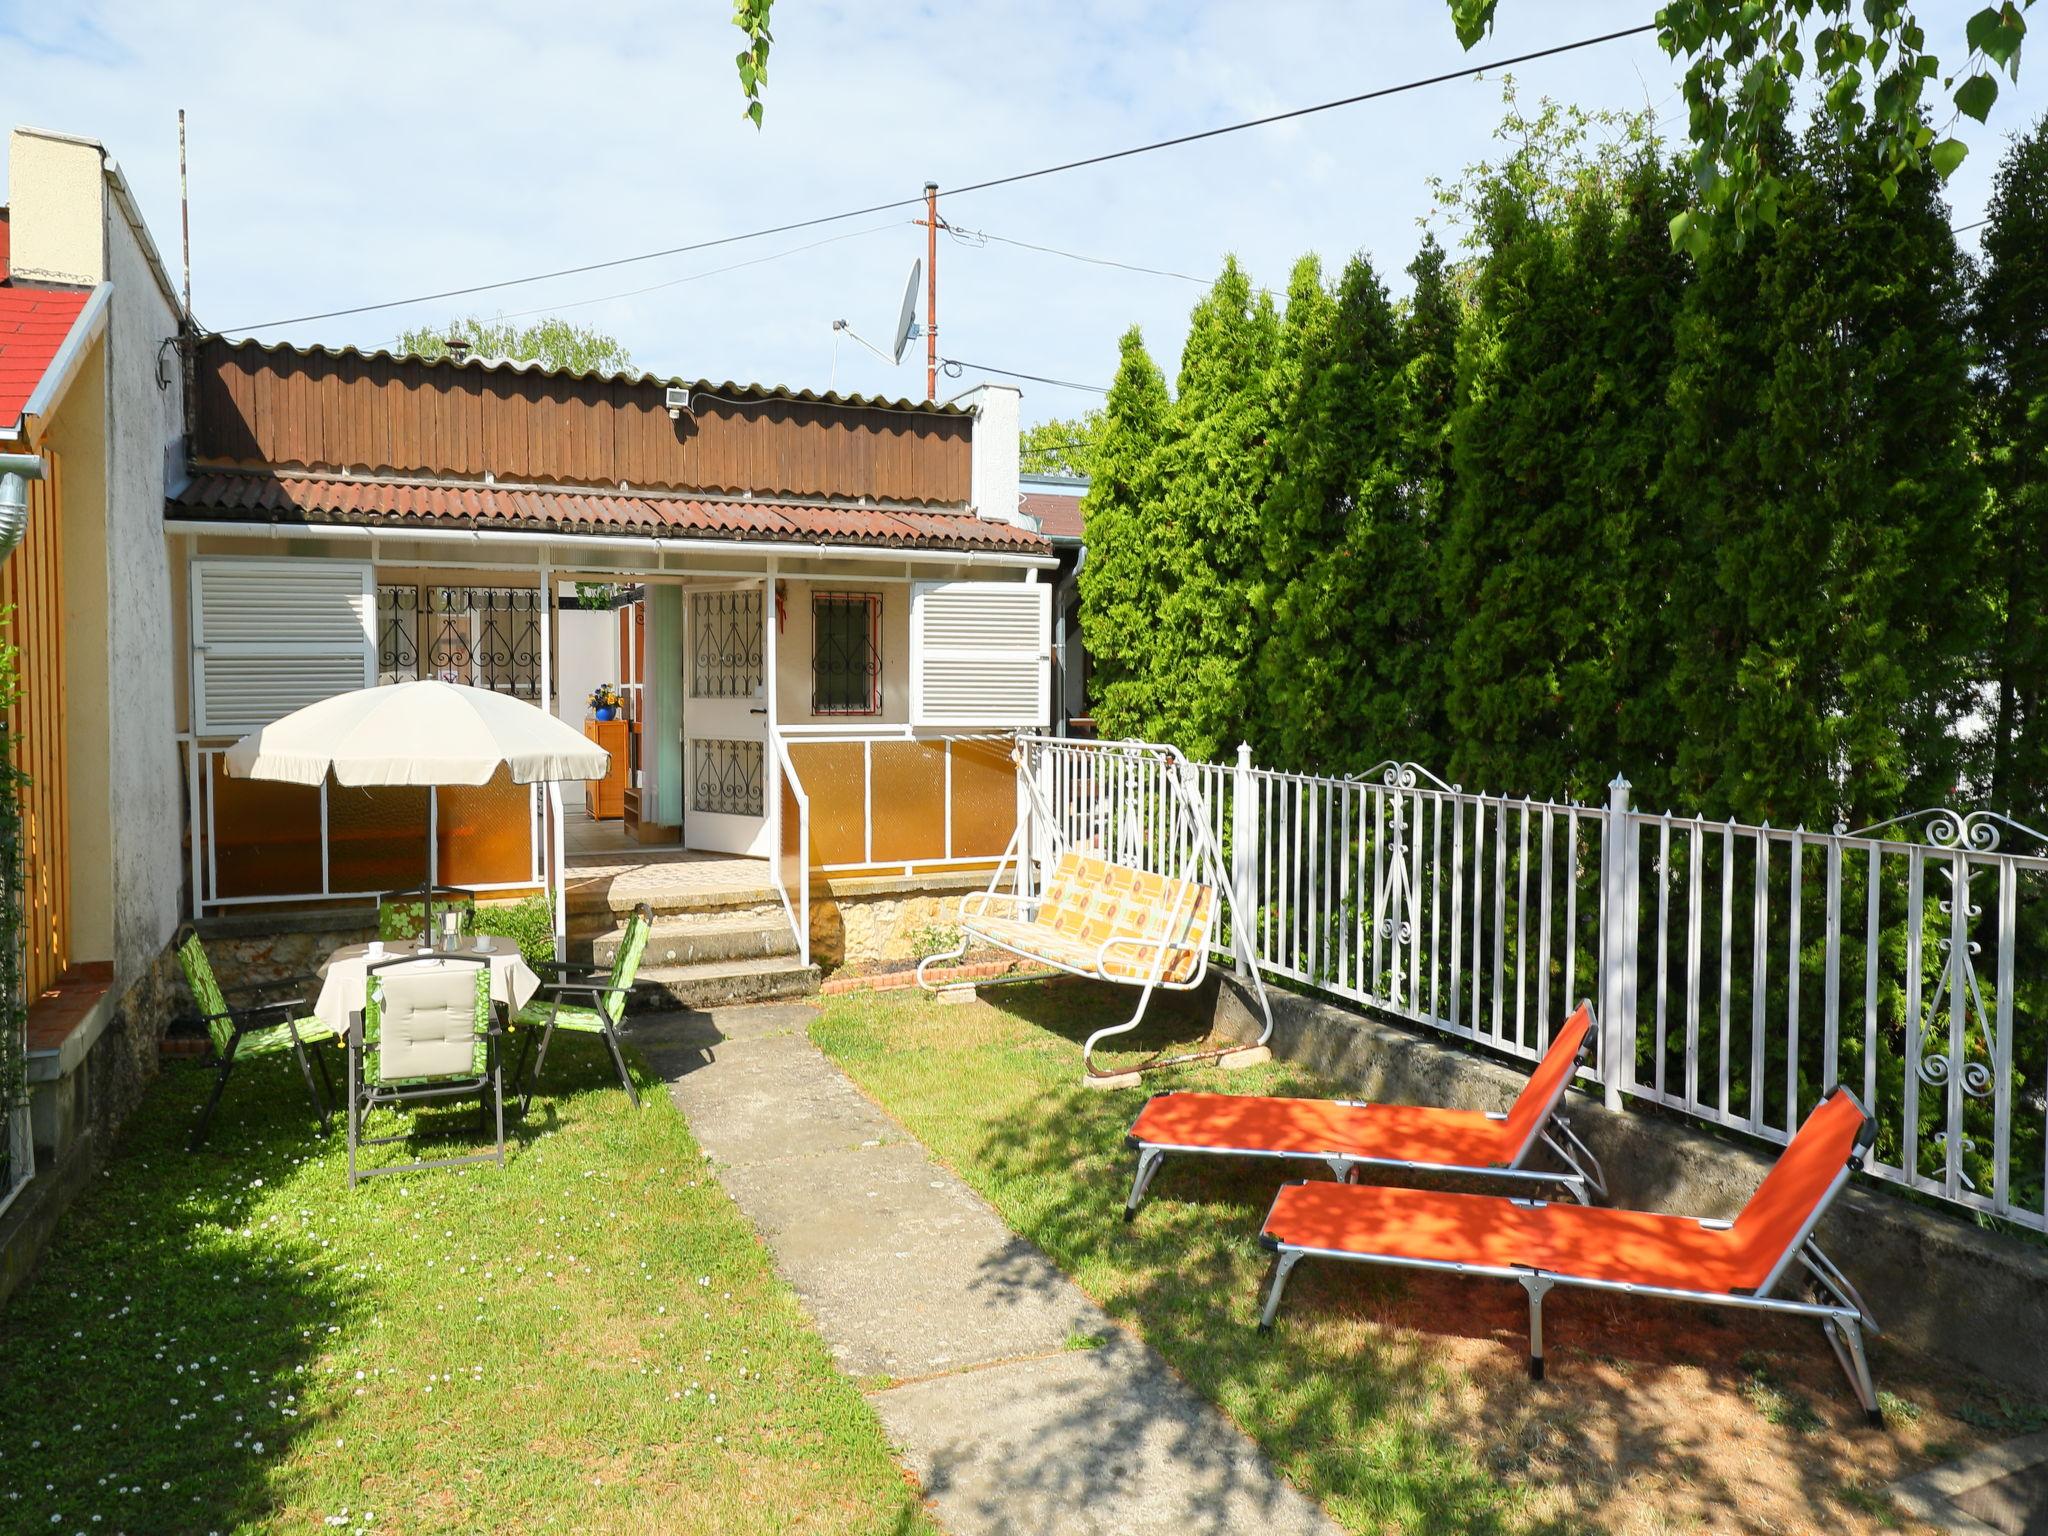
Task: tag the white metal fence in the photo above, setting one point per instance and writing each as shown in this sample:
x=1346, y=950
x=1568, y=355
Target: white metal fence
x=1738, y=971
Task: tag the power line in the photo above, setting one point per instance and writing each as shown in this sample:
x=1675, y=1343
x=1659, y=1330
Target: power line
x=954, y=367
x=977, y=186
x=676, y=282
x=1282, y=117
x=1095, y=261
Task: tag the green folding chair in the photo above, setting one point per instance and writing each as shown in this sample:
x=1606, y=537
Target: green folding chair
x=428, y=1032
x=262, y=1026
x=403, y=915
x=587, y=1001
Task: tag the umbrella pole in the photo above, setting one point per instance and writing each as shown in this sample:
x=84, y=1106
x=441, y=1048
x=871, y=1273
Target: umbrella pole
x=558, y=885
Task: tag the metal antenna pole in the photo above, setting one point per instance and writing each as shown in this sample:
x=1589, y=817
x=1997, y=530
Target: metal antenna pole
x=185, y=210
x=931, y=291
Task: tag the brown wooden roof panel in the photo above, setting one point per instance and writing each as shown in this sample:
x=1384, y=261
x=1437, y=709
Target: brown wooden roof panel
x=347, y=412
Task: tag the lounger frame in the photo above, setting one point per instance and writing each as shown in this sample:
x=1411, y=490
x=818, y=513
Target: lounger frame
x=1844, y=1318
x=1582, y=1177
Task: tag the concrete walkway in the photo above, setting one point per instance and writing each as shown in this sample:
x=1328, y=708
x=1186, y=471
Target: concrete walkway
x=910, y=1277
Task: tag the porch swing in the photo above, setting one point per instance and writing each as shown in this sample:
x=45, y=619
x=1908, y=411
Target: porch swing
x=1102, y=913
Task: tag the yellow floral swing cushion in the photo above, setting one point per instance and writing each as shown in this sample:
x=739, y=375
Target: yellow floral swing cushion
x=1089, y=902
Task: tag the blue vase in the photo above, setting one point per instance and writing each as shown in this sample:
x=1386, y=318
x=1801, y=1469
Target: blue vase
x=606, y=713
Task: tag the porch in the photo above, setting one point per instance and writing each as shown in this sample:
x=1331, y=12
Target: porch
x=782, y=722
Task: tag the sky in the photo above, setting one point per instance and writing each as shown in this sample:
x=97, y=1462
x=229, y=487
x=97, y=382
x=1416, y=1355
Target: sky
x=348, y=155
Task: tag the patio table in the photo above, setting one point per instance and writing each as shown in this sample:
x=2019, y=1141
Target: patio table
x=346, y=972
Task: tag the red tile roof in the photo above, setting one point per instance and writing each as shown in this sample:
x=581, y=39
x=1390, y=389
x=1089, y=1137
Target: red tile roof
x=1059, y=517
x=265, y=497
x=33, y=325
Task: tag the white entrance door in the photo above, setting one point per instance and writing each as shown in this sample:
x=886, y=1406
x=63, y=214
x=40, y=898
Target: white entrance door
x=725, y=723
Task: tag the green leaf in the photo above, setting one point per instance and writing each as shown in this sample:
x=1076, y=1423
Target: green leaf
x=1976, y=95
x=1946, y=156
x=1983, y=29
x=754, y=111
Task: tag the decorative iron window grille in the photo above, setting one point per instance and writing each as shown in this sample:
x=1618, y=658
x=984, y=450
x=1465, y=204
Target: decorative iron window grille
x=725, y=644
x=487, y=637
x=846, y=653
x=398, y=634
x=725, y=777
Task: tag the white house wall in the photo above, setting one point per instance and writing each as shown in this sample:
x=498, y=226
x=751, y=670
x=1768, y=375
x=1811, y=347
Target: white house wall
x=145, y=389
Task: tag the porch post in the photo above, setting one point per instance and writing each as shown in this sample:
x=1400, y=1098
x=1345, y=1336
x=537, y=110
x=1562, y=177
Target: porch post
x=771, y=776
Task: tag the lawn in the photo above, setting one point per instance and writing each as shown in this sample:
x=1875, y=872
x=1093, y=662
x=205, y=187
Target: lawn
x=588, y=1339
x=1401, y=1403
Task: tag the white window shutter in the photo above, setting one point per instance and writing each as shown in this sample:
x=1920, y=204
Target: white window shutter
x=271, y=636
x=980, y=653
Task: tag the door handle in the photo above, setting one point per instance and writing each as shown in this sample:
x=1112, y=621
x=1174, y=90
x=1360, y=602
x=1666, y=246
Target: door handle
x=761, y=711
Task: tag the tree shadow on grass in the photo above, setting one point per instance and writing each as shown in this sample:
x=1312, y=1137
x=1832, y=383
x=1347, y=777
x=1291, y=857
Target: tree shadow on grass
x=1397, y=1398
x=154, y=1364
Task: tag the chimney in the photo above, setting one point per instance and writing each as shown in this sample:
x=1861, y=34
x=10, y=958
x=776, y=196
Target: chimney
x=994, y=488
x=458, y=347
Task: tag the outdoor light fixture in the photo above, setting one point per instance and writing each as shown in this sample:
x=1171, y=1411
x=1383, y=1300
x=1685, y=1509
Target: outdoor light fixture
x=16, y=470
x=678, y=403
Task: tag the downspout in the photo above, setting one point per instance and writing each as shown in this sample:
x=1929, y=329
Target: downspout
x=16, y=470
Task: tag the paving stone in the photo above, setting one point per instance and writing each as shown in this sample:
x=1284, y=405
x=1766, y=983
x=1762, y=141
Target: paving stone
x=906, y=1271
x=909, y=1274
x=1087, y=1443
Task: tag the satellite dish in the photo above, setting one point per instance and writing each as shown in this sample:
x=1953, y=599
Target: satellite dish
x=906, y=320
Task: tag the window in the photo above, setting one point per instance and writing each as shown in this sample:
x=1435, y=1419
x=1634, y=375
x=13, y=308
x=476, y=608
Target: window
x=270, y=636
x=487, y=637
x=846, y=653
x=725, y=644
x=980, y=653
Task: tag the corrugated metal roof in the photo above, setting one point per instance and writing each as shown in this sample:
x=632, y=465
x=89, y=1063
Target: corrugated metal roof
x=33, y=325
x=1059, y=517
x=729, y=388
x=258, y=497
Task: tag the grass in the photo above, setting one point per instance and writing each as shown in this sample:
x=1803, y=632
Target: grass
x=588, y=1339
x=1399, y=1402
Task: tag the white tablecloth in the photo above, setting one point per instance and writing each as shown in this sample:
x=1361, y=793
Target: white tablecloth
x=346, y=973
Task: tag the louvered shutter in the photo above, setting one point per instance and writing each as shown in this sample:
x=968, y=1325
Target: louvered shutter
x=980, y=653
x=271, y=636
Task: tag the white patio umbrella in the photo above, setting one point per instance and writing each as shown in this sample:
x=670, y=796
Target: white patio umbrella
x=422, y=732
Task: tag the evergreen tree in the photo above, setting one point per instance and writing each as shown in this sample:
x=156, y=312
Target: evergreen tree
x=1551, y=565
x=1121, y=581
x=1214, y=467
x=1412, y=660
x=2011, y=325
x=1825, y=649
x=1331, y=520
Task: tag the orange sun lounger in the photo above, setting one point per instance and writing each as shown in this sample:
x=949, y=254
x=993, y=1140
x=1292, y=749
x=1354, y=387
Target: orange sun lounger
x=1348, y=1137
x=1737, y=1264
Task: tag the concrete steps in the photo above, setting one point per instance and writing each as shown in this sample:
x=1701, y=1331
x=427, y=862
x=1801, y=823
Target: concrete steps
x=703, y=943
x=720, y=983
x=708, y=954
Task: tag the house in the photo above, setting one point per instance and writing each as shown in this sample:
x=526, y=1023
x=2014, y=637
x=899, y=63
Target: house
x=825, y=615
x=829, y=610
x=1051, y=505
x=92, y=407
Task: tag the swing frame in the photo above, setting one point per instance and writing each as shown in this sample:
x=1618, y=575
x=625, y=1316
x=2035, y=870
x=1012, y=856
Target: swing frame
x=1151, y=957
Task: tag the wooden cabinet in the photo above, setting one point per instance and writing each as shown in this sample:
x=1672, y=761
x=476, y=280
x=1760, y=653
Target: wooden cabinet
x=603, y=799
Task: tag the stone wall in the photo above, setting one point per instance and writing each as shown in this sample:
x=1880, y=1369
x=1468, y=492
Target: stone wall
x=1936, y=1282
x=888, y=921
x=78, y=1115
x=249, y=950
